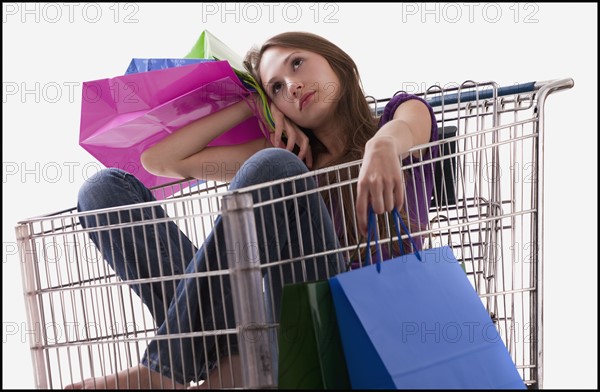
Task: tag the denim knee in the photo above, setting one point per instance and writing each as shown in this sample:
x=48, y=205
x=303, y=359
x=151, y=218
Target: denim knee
x=269, y=164
x=109, y=187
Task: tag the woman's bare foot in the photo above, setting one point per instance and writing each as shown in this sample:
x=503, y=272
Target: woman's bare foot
x=227, y=375
x=136, y=377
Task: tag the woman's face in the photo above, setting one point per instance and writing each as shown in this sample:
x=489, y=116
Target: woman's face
x=301, y=84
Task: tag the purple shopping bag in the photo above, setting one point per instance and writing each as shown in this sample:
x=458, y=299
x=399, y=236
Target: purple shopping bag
x=123, y=116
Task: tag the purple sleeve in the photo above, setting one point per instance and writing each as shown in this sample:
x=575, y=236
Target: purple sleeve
x=388, y=114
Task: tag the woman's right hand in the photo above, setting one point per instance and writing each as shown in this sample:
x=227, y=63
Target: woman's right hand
x=294, y=135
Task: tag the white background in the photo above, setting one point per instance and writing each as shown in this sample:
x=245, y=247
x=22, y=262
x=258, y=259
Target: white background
x=53, y=48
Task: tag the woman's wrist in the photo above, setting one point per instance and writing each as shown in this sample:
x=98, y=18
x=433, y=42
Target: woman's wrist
x=379, y=142
x=394, y=134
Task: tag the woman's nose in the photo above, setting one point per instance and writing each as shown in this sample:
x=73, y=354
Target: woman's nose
x=294, y=88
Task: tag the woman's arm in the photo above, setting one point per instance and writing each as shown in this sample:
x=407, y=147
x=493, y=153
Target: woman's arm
x=380, y=181
x=184, y=154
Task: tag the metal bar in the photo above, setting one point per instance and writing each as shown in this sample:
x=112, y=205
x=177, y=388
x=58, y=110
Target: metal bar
x=246, y=284
x=470, y=96
x=28, y=263
x=545, y=90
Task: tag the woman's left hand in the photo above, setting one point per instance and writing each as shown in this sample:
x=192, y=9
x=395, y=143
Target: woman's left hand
x=294, y=135
x=380, y=181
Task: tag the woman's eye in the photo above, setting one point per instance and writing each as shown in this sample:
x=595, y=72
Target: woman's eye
x=276, y=87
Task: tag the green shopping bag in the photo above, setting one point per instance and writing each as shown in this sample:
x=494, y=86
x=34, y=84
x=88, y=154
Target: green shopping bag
x=210, y=47
x=310, y=349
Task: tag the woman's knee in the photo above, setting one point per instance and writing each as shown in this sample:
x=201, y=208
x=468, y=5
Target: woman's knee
x=106, y=188
x=269, y=164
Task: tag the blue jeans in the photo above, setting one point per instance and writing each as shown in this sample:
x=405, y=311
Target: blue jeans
x=161, y=249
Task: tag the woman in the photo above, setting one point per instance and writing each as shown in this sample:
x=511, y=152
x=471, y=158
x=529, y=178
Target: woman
x=318, y=103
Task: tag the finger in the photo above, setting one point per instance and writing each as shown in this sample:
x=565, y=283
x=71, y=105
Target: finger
x=399, y=196
x=279, y=120
x=373, y=186
x=377, y=201
x=278, y=132
x=388, y=196
x=302, y=145
x=309, y=157
x=274, y=141
x=291, y=140
x=361, y=210
x=399, y=191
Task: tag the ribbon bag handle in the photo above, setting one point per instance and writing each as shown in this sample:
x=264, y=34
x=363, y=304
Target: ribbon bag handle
x=398, y=217
x=371, y=229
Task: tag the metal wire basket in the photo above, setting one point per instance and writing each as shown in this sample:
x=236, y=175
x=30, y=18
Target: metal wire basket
x=487, y=206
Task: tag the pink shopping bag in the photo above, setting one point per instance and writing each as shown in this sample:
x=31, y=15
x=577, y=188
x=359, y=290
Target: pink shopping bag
x=123, y=116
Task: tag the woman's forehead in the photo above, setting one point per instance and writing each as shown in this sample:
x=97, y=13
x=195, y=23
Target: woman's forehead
x=275, y=55
x=276, y=58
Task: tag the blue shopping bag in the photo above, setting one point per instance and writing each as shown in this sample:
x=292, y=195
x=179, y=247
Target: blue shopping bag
x=415, y=322
x=153, y=64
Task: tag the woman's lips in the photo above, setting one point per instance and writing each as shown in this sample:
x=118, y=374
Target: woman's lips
x=304, y=100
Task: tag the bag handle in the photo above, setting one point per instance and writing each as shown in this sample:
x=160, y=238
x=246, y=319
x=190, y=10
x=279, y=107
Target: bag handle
x=372, y=229
x=398, y=217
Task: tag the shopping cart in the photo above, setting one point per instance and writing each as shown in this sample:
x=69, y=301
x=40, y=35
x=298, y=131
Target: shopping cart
x=487, y=206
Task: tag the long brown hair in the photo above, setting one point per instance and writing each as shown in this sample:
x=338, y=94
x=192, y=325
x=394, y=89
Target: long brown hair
x=352, y=110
